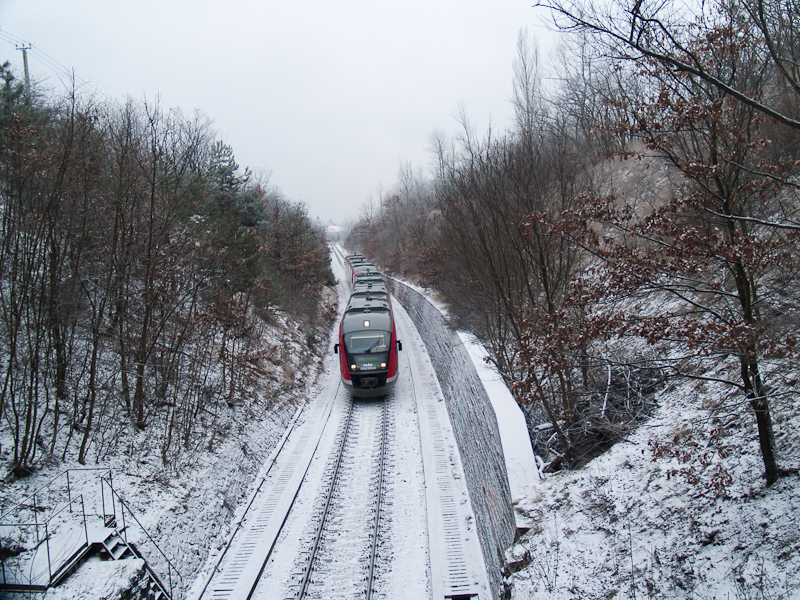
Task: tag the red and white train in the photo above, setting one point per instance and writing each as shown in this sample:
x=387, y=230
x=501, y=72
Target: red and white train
x=368, y=343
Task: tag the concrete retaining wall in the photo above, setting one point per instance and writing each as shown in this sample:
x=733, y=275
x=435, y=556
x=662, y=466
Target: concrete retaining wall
x=475, y=428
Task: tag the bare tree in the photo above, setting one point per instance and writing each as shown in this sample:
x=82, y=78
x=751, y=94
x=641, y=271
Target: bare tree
x=723, y=247
x=640, y=30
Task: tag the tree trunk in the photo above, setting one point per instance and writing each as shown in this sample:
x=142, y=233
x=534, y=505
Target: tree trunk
x=89, y=423
x=756, y=393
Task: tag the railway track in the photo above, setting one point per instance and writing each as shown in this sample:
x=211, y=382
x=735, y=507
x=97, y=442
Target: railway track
x=352, y=504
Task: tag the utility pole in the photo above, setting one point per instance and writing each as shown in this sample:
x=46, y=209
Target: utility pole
x=25, y=49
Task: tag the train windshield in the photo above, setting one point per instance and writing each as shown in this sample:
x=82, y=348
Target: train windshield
x=367, y=342
x=367, y=350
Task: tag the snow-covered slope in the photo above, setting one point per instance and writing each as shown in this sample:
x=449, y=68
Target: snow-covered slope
x=187, y=508
x=678, y=510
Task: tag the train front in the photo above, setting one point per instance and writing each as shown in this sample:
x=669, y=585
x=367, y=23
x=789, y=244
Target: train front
x=368, y=348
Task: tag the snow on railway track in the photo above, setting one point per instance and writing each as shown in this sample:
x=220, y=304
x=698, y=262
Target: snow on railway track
x=341, y=565
x=341, y=562
x=456, y=561
x=237, y=569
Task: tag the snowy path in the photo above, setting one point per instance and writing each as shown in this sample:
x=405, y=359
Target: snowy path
x=457, y=567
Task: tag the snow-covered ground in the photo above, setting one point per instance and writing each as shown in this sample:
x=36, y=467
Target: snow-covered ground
x=678, y=510
x=187, y=508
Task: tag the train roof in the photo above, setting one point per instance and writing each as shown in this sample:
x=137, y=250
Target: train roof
x=368, y=292
x=371, y=285
x=360, y=320
x=364, y=267
x=368, y=309
x=359, y=303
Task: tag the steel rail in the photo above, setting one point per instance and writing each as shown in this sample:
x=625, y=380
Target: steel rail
x=329, y=497
x=376, y=522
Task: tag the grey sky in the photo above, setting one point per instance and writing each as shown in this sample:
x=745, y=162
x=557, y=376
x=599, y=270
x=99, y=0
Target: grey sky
x=330, y=97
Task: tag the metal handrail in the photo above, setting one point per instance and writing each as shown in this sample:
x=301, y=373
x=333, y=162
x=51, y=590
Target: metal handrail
x=124, y=532
x=34, y=493
x=30, y=502
x=102, y=494
x=37, y=524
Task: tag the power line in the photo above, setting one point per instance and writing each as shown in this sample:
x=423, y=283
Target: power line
x=48, y=61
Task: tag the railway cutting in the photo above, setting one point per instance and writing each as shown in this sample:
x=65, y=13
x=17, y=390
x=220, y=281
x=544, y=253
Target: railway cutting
x=364, y=498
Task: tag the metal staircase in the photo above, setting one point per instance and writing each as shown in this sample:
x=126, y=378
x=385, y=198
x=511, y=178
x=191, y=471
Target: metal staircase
x=37, y=554
x=114, y=547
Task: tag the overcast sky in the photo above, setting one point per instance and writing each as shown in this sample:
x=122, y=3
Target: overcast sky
x=330, y=97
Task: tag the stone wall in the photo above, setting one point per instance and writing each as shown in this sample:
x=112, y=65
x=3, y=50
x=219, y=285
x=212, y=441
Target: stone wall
x=475, y=428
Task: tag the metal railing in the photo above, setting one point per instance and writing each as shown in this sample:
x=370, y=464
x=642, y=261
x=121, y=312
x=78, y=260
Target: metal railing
x=34, y=498
x=136, y=547
x=64, y=533
x=31, y=569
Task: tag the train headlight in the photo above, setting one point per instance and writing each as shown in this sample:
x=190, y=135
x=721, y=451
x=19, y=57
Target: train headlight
x=383, y=365
x=353, y=368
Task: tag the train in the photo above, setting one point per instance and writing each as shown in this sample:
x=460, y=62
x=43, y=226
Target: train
x=368, y=346
x=361, y=269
